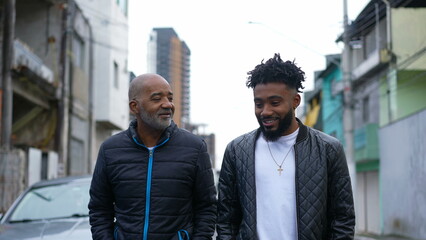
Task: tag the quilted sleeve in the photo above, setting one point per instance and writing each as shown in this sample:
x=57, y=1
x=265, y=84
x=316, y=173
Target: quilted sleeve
x=229, y=211
x=101, y=208
x=341, y=212
x=204, y=197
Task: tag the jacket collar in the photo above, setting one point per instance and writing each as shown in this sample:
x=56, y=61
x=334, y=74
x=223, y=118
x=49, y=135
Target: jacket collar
x=166, y=134
x=303, y=131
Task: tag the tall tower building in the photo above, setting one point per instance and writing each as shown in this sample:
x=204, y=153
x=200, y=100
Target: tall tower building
x=170, y=57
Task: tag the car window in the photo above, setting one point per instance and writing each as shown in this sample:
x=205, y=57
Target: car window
x=57, y=201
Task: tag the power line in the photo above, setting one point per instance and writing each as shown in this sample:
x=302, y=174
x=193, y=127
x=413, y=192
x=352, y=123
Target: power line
x=293, y=40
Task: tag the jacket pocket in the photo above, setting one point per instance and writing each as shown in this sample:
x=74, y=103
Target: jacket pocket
x=183, y=235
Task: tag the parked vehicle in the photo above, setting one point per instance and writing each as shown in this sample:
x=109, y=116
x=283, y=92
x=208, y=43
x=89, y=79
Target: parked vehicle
x=51, y=209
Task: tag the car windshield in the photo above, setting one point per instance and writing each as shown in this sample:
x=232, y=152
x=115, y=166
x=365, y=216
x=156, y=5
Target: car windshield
x=55, y=201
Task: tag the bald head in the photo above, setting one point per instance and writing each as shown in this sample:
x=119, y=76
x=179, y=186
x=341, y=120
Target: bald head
x=137, y=84
x=151, y=101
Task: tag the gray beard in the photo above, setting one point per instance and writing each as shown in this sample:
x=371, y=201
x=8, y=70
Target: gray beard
x=153, y=122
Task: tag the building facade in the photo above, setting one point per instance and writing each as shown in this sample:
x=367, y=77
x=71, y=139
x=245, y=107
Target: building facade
x=110, y=73
x=388, y=79
x=313, y=104
x=64, y=84
x=47, y=93
x=169, y=56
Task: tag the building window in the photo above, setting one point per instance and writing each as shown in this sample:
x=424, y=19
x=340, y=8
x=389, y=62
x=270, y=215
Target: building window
x=116, y=74
x=365, y=109
x=44, y=165
x=122, y=4
x=78, y=45
x=332, y=85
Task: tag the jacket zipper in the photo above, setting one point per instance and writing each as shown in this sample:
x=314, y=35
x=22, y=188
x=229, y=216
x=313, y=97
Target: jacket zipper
x=148, y=185
x=116, y=233
x=148, y=194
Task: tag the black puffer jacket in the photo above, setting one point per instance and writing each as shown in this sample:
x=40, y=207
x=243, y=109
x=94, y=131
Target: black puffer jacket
x=153, y=194
x=323, y=189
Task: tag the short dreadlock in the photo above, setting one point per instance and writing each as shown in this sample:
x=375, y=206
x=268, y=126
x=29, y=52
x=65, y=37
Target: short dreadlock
x=278, y=71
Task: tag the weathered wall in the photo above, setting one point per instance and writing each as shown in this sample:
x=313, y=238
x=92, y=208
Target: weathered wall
x=403, y=176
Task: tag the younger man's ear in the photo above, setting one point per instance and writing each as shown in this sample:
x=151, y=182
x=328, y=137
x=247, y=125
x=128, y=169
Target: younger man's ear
x=296, y=100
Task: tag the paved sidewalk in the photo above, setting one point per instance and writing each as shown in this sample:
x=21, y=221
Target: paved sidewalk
x=372, y=237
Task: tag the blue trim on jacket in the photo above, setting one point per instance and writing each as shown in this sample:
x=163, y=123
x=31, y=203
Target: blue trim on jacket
x=148, y=184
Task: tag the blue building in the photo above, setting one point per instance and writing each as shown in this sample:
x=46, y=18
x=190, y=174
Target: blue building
x=332, y=98
x=325, y=102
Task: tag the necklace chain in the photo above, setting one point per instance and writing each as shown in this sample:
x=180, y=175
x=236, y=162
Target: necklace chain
x=280, y=169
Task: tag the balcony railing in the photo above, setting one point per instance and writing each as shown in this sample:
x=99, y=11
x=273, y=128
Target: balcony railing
x=375, y=59
x=366, y=143
x=24, y=57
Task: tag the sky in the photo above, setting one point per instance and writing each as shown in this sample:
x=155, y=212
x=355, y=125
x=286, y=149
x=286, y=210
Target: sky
x=229, y=38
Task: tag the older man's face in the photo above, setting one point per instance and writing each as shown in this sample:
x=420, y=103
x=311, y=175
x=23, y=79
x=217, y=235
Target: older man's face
x=155, y=104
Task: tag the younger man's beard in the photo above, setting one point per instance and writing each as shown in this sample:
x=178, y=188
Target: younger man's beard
x=283, y=125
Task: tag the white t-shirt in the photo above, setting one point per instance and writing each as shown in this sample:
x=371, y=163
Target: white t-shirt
x=275, y=193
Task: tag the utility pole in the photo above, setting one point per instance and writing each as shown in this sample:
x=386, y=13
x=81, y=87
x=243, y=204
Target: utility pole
x=6, y=91
x=390, y=79
x=62, y=131
x=348, y=124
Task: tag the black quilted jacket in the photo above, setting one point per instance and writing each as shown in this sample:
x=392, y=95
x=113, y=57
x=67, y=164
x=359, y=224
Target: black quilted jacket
x=153, y=194
x=323, y=189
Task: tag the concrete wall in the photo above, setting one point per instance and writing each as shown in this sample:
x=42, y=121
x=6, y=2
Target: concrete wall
x=79, y=139
x=403, y=87
x=110, y=37
x=368, y=89
x=403, y=176
x=408, y=37
x=12, y=175
x=110, y=43
x=31, y=15
x=368, y=44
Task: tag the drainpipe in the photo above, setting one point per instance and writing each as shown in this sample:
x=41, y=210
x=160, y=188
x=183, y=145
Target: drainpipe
x=6, y=91
x=391, y=76
x=376, y=6
x=388, y=25
x=72, y=10
x=63, y=92
x=348, y=122
x=91, y=99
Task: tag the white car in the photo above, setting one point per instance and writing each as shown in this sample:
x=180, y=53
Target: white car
x=52, y=209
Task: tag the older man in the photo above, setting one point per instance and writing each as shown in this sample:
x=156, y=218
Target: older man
x=153, y=180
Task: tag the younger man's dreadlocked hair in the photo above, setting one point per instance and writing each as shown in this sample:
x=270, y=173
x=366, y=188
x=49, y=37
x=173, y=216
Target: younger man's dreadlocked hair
x=278, y=71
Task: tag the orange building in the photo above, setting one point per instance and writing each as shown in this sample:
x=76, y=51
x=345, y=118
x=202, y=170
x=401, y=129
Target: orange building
x=169, y=56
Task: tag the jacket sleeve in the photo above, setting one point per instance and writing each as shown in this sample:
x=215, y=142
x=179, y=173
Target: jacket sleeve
x=204, y=202
x=101, y=208
x=229, y=210
x=341, y=214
